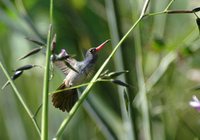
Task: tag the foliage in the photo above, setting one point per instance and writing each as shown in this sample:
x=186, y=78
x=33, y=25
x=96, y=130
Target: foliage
x=157, y=42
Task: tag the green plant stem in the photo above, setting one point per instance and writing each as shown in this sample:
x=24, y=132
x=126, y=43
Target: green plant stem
x=88, y=88
x=51, y=12
x=82, y=85
x=170, y=3
x=171, y=12
x=30, y=114
x=44, y=122
x=166, y=11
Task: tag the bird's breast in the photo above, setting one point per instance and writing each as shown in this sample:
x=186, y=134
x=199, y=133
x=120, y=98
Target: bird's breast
x=74, y=78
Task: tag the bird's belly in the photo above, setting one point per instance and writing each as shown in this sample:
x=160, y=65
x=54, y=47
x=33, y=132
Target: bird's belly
x=74, y=78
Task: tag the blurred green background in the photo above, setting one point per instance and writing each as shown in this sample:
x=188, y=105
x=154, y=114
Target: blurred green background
x=170, y=67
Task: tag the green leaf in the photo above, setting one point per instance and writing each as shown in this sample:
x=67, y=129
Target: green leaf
x=36, y=42
x=198, y=23
x=25, y=67
x=116, y=74
x=16, y=74
x=119, y=82
x=32, y=52
x=111, y=75
x=126, y=98
x=196, y=9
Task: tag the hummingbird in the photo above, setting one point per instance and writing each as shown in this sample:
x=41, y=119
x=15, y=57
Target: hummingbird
x=76, y=73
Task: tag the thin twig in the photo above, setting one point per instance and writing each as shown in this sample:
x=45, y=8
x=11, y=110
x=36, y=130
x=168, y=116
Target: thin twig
x=144, y=9
x=170, y=3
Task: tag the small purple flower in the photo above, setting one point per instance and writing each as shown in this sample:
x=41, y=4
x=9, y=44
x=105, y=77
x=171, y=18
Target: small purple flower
x=195, y=103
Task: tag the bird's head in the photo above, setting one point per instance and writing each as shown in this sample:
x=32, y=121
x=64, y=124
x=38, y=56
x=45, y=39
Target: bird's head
x=92, y=52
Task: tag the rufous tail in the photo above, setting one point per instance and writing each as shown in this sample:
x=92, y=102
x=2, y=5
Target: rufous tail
x=65, y=100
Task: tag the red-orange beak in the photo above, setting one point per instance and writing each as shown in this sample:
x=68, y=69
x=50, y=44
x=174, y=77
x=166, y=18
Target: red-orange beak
x=102, y=45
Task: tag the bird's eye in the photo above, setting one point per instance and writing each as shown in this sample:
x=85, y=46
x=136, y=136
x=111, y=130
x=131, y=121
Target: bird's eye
x=92, y=50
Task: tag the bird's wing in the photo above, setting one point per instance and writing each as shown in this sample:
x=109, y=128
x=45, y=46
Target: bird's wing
x=66, y=65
